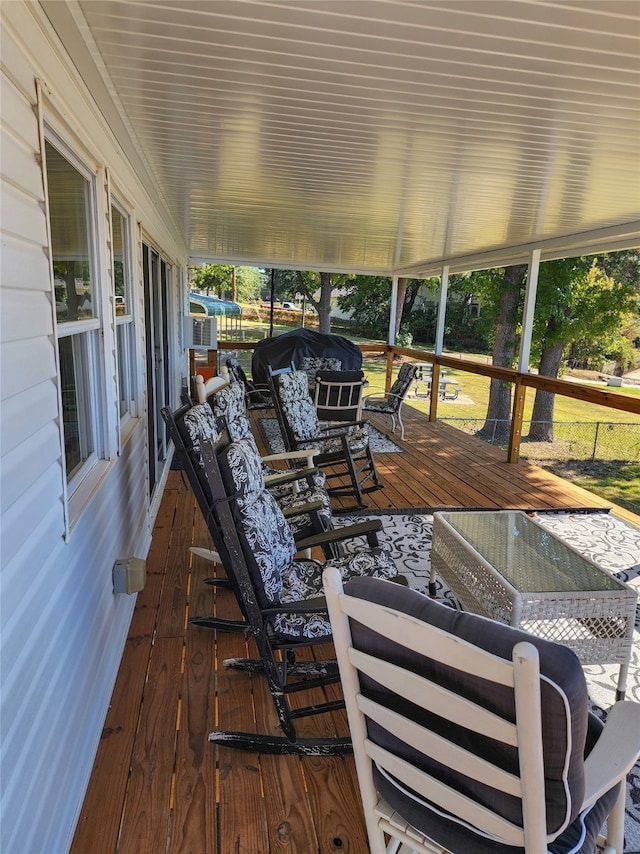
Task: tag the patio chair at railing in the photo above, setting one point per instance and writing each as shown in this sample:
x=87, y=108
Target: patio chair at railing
x=391, y=403
x=473, y=736
x=281, y=594
x=345, y=448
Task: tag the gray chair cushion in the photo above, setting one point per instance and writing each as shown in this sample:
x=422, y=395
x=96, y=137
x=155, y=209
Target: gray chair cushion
x=565, y=723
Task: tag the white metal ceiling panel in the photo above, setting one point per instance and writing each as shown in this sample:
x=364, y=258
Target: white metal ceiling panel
x=377, y=135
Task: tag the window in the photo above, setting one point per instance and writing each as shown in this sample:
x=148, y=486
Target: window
x=123, y=298
x=71, y=199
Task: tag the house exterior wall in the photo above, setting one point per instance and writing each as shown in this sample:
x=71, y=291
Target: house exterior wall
x=62, y=629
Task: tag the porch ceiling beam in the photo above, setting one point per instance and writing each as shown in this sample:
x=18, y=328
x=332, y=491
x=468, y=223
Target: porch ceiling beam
x=609, y=239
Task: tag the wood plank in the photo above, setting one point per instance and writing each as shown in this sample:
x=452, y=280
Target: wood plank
x=194, y=824
x=242, y=819
x=290, y=825
x=145, y=825
x=171, y=615
x=99, y=823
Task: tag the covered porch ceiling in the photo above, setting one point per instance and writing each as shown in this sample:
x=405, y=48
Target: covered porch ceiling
x=374, y=136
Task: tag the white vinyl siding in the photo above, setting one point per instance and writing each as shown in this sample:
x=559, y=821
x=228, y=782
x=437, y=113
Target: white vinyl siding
x=62, y=629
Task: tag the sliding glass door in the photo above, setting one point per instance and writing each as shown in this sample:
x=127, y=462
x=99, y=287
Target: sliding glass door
x=157, y=285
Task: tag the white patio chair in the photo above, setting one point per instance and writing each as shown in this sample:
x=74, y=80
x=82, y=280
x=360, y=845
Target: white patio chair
x=470, y=736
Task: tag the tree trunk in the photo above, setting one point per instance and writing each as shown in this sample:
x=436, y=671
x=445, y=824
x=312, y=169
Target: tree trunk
x=541, y=429
x=402, y=290
x=324, y=305
x=497, y=423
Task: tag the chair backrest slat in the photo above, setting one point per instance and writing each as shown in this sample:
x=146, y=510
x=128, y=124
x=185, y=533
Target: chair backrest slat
x=338, y=395
x=433, y=697
x=422, y=636
x=446, y=797
x=440, y=749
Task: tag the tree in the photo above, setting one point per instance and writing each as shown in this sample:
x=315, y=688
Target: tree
x=321, y=284
x=501, y=291
x=368, y=298
x=576, y=299
x=212, y=277
x=248, y=284
x=240, y=284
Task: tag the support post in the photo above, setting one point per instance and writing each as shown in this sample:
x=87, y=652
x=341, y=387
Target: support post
x=529, y=309
x=391, y=337
x=442, y=309
x=435, y=369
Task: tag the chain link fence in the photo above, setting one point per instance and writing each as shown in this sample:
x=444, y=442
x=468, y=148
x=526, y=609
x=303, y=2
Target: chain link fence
x=572, y=440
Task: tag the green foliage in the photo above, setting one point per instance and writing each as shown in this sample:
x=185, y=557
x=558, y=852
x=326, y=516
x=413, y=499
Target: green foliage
x=580, y=305
x=217, y=280
x=421, y=323
x=405, y=338
x=213, y=279
x=368, y=298
x=248, y=284
x=285, y=284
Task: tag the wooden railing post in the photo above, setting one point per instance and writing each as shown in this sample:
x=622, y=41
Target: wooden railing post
x=435, y=391
x=515, y=437
x=389, y=373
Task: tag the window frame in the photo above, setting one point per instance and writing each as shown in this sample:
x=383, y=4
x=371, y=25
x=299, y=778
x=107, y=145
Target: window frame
x=79, y=485
x=125, y=324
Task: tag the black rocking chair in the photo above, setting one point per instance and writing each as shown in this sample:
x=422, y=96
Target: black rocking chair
x=344, y=447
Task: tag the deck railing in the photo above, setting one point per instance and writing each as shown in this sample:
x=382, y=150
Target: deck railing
x=521, y=383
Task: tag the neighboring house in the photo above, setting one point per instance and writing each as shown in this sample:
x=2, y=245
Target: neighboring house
x=83, y=446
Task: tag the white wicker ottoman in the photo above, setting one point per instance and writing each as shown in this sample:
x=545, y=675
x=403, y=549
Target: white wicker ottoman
x=502, y=564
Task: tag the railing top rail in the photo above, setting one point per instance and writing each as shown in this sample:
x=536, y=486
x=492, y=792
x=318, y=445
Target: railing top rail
x=577, y=391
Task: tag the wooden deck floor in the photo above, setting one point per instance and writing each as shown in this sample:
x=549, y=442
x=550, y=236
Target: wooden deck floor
x=158, y=785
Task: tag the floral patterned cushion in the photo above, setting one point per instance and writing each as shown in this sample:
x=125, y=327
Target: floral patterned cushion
x=298, y=524
x=297, y=405
x=269, y=543
x=199, y=422
x=312, y=364
x=380, y=403
x=303, y=580
x=228, y=403
x=358, y=439
x=301, y=414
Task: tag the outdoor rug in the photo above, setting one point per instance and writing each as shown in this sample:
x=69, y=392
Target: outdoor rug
x=378, y=442
x=608, y=541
